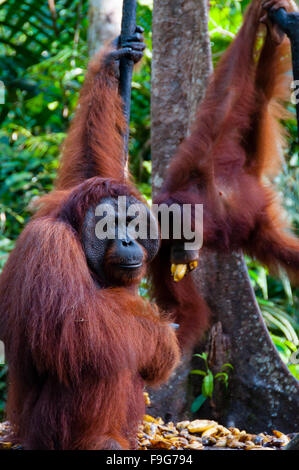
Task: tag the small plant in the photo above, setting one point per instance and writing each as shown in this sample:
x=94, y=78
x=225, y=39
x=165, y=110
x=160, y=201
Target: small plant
x=3, y=374
x=209, y=379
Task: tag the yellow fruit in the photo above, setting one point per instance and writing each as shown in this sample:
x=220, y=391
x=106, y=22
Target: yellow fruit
x=147, y=398
x=201, y=425
x=193, y=265
x=178, y=271
x=148, y=419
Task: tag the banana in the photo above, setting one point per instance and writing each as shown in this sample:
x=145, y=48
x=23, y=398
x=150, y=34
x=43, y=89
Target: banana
x=178, y=271
x=192, y=265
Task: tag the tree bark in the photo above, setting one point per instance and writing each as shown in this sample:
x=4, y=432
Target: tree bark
x=181, y=65
x=262, y=394
x=104, y=22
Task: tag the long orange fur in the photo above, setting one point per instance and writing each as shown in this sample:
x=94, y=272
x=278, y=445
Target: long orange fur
x=78, y=354
x=227, y=164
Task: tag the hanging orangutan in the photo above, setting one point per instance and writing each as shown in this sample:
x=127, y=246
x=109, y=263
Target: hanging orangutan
x=80, y=342
x=227, y=164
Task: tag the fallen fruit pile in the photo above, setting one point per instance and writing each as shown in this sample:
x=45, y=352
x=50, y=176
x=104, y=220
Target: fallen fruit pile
x=201, y=434
x=198, y=434
x=4, y=430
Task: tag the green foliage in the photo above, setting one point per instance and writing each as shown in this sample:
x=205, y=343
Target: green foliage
x=3, y=389
x=208, y=381
x=43, y=60
x=279, y=305
x=43, y=64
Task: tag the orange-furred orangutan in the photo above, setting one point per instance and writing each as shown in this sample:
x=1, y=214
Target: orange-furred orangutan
x=227, y=164
x=80, y=342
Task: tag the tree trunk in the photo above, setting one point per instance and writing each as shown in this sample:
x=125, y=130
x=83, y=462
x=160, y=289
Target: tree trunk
x=262, y=394
x=104, y=22
x=181, y=65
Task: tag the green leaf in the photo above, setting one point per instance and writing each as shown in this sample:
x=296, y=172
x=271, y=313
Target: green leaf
x=208, y=385
x=286, y=285
x=198, y=372
x=18, y=177
x=203, y=355
x=198, y=402
x=227, y=364
x=222, y=375
x=262, y=281
x=272, y=316
x=294, y=369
